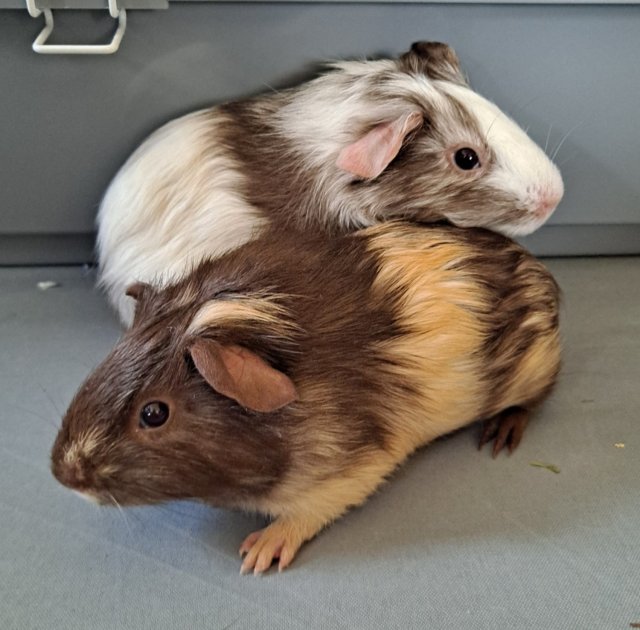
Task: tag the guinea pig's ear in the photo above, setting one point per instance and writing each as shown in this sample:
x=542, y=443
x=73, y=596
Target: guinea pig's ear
x=238, y=373
x=137, y=290
x=435, y=60
x=368, y=156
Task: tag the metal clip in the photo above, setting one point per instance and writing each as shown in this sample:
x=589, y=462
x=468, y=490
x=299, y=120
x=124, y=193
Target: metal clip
x=41, y=47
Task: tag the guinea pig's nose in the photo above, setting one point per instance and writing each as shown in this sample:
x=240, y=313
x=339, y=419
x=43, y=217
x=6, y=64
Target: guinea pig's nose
x=547, y=202
x=75, y=474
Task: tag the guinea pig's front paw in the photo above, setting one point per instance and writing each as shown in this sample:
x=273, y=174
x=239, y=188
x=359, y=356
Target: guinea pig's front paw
x=280, y=540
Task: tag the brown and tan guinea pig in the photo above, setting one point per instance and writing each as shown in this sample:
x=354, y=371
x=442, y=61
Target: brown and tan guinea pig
x=293, y=375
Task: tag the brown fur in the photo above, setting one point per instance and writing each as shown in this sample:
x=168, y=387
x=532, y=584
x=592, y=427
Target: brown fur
x=392, y=336
x=434, y=59
x=420, y=184
x=363, y=143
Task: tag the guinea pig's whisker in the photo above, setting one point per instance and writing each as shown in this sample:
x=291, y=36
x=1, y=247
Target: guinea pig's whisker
x=546, y=144
x=124, y=517
x=271, y=88
x=37, y=415
x=486, y=135
x=50, y=399
x=566, y=135
x=567, y=159
x=523, y=105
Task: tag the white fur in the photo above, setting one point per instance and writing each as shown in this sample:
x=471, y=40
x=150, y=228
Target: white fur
x=179, y=197
x=328, y=114
x=522, y=168
x=174, y=202
x=87, y=497
x=323, y=119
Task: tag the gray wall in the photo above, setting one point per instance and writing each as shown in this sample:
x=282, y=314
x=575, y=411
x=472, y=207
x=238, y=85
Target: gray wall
x=68, y=122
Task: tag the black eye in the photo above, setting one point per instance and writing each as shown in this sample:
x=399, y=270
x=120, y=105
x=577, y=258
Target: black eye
x=466, y=159
x=154, y=414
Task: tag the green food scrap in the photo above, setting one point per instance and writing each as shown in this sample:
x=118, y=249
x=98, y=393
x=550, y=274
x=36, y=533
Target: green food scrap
x=550, y=467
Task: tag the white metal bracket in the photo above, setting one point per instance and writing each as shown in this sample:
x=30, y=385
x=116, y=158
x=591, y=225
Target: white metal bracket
x=40, y=45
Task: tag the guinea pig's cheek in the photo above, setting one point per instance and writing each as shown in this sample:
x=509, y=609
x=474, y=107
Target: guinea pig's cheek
x=145, y=436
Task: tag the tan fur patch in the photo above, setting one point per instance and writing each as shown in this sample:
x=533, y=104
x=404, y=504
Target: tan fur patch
x=534, y=371
x=90, y=441
x=84, y=445
x=304, y=505
x=440, y=354
x=312, y=502
x=107, y=470
x=71, y=454
x=264, y=309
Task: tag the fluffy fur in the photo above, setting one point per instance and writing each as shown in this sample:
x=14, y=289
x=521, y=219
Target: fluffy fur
x=388, y=338
x=210, y=181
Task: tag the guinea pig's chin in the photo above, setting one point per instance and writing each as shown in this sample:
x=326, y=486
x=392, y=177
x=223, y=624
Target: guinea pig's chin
x=522, y=227
x=91, y=497
x=108, y=499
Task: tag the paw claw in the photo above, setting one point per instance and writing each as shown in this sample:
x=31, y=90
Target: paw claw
x=248, y=543
x=263, y=547
x=506, y=429
x=489, y=430
x=285, y=559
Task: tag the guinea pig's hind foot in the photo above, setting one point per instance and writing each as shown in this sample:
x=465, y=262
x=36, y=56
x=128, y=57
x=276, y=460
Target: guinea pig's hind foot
x=505, y=428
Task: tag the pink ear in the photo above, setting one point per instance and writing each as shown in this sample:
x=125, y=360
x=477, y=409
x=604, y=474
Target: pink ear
x=371, y=154
x=240, y=374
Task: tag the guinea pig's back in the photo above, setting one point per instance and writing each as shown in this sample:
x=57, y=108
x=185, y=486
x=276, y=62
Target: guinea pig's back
x=478, y=317
x=155, y=220
x=403, y=333
x=393, y=336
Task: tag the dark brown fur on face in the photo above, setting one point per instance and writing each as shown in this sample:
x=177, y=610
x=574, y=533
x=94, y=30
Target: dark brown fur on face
x=153, y=357
x=374, y=343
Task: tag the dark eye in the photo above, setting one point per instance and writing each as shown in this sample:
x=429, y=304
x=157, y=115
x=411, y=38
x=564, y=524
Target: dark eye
x=154, y=414
x=466, y=159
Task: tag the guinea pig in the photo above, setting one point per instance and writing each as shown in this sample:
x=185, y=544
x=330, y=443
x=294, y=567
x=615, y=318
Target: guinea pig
x=366, y=142
x=291, y=376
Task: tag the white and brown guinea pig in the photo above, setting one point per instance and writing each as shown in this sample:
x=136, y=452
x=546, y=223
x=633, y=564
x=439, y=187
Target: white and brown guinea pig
x=366, y=142
x=292, y=375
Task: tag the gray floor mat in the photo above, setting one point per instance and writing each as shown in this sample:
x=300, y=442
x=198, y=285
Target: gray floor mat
x=454, y=540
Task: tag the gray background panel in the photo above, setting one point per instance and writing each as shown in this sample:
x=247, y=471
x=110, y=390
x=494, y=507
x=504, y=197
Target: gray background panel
x=70, y=121
x=148, y=4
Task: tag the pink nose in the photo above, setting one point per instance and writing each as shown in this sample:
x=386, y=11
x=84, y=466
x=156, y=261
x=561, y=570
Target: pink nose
x=547, y=203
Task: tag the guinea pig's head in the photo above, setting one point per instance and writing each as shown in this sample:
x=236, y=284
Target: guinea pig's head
x=430, y=148
x=181, y=408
